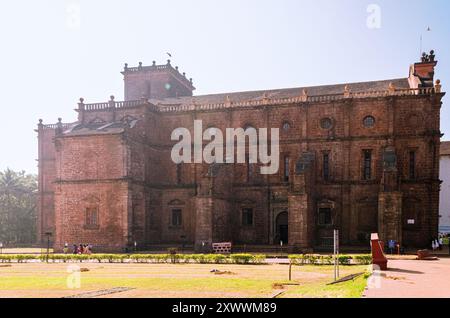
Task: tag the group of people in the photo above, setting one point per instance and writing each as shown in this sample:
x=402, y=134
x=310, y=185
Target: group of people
x=79, y=249
x=437, y=244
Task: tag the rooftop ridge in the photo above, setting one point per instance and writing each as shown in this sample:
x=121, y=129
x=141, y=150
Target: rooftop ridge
x=302, y=87
x=266, y=100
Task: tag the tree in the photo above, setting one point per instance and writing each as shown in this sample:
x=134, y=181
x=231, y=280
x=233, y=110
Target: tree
x=17, y=207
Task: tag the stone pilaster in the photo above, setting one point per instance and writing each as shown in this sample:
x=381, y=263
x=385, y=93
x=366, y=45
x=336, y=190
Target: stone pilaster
x=301, y=205
x=390, y=199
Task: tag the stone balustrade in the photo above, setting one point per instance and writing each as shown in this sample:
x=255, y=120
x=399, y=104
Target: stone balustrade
x=168, y=108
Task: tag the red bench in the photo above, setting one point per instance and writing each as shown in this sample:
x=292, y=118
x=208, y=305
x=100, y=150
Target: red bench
x=222, y=248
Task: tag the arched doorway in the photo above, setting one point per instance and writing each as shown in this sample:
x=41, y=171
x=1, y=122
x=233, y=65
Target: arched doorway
x=282, y=228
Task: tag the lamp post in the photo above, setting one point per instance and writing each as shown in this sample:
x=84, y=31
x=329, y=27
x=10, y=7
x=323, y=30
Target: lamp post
x=1, y=248
x=48, y=235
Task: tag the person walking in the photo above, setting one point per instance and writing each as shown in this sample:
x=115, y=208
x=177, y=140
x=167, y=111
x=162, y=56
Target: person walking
x=391, y=246
x=441, y=243
x=66, y=248
x=75, y=249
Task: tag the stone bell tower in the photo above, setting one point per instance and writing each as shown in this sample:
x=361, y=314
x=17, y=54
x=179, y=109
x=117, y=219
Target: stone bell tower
x=155, y=82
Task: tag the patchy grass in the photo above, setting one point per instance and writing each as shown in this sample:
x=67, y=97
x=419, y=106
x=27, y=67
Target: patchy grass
x=178, y=280
x=349, y=289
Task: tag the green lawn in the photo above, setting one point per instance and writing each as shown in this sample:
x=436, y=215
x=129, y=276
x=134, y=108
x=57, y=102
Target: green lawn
x=178, y=280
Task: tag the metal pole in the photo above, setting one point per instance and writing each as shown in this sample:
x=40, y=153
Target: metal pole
x=337, y=250
x=48, y=246
x=334, y=254
x=290, y=271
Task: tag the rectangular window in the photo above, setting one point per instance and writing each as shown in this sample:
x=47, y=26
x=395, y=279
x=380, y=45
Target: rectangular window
x=286, y=169
x=92, y=217
x=367, y=168
x=177, y=217
x=412, y=165
x=325, y=216
x=247, y=217
x=326, y=166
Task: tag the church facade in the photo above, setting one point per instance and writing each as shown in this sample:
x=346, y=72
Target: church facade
x=358, y=157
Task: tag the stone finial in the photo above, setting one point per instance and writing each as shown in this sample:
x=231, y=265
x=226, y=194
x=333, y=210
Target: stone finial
x=154, y=63
x=438, y=86
x=41, y=122
x=140, y=66
x=59, y=120
x=304, y=96
x=347, y=92
x=191, y=81
x=111, y=102
x=392, y=88
x=424, y=57
x=228, y=101
x=126, y=67
x=168, y=62
x=184, y=74
x=176, y=67
x=432, y=56
x=81, y=104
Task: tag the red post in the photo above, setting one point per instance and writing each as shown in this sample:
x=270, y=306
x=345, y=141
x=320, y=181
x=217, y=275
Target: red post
x=378, y=257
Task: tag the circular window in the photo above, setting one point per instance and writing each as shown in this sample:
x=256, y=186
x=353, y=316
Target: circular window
x=286, y=126
x=369, y=121
x=326, y=123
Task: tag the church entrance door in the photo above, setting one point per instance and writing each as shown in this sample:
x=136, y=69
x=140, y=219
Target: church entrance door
x=282, y=228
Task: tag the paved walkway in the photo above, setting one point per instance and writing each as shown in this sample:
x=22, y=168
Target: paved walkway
x=411, y=279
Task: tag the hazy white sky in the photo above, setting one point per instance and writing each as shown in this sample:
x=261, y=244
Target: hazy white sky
x=50, y=56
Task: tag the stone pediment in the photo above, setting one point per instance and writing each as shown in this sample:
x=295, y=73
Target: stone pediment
x=176, y=202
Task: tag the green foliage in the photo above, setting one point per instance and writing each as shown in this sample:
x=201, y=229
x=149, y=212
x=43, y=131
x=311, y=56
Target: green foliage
x=363, y=259
x=17, y=207
x=312, y=259
x=297, y=259
x=139, y=258
x=303, y=259
x=241, y=258
x=345, y=259
x=327, y=260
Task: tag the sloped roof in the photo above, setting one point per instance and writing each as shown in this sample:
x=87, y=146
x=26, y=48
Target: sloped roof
x=95, y=128
x=401, y=83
